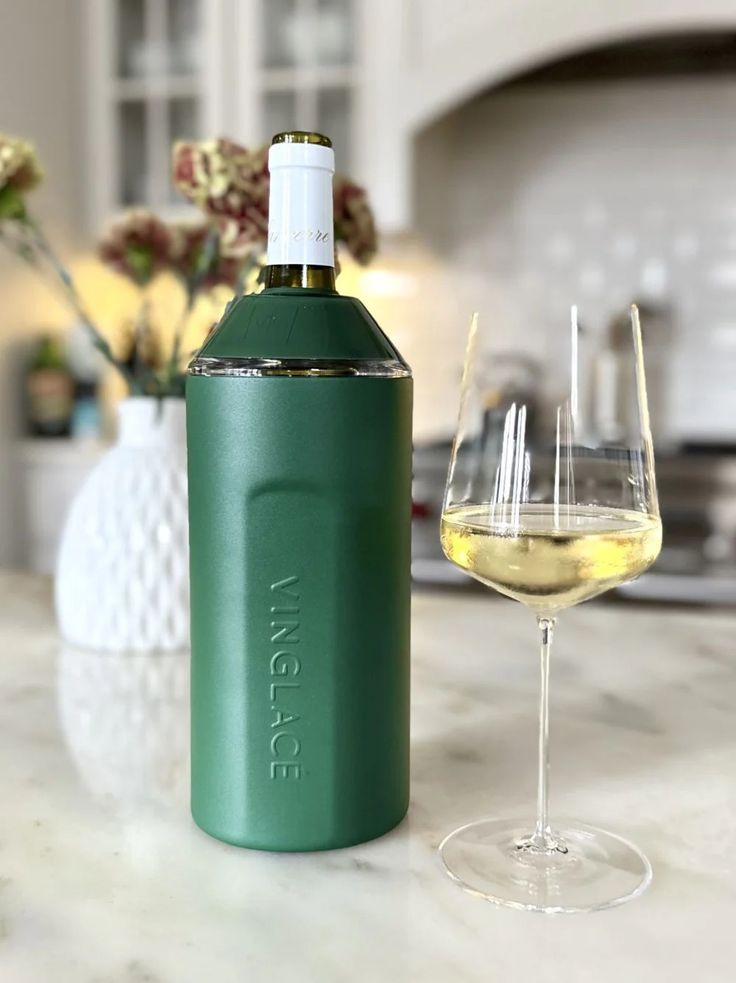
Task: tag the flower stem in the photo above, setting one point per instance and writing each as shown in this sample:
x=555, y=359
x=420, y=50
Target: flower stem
x=192, y=286
x=71, y=294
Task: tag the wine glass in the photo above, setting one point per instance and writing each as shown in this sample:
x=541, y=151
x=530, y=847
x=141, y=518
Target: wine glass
x=543, y=508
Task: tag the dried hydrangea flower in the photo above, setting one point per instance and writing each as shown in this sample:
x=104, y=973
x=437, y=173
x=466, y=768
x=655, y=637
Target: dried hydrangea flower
x=137, y=245
x=20, y=172
x=354, y=222
x=190, y=245
x=230, y=184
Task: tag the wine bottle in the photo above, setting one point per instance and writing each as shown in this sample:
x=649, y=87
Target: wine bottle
x=49, y=390
x=299, y=446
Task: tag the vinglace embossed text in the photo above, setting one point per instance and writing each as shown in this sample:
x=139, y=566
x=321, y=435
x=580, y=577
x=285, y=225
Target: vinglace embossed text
x=286, y=745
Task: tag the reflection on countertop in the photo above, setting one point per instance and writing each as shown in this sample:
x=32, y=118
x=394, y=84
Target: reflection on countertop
x=125, y=720
x=103, y=875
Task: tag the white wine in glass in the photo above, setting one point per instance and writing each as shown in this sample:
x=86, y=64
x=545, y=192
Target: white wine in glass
x=549, y=560
x=542, y=510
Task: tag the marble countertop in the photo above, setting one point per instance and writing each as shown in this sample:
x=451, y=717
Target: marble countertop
x=104, y=878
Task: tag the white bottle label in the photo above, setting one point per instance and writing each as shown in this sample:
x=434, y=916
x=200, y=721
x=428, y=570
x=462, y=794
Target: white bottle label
x=300, y=223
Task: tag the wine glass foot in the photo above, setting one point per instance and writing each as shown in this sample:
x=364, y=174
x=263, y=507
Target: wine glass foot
x=576, y=868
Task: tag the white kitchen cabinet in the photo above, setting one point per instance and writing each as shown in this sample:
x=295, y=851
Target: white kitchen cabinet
x=148, y=81
x=372, y=73
x=161, y=70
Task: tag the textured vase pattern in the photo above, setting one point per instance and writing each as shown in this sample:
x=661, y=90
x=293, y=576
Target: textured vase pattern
x=122, y=576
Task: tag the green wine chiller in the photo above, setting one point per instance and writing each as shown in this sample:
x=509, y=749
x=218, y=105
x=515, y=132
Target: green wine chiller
x=299, y=444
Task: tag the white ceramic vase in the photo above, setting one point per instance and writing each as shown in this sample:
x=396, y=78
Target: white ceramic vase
x=122, y=578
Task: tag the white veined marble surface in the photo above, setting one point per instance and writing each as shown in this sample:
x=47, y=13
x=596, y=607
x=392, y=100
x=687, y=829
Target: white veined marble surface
x=105, y=879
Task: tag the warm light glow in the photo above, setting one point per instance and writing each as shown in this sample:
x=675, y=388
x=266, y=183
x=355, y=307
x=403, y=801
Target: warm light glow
x=113, y=303
x=387, y=283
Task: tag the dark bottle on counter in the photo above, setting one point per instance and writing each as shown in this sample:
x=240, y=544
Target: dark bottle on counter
x=49, y=390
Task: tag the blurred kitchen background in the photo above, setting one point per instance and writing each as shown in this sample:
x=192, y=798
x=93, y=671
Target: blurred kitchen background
x=520, y=156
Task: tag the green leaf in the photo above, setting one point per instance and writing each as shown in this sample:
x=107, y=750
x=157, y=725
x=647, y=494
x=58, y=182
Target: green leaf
x=12, y=203
x=140, y=263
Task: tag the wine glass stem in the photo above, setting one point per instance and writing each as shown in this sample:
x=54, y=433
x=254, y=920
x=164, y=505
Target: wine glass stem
x=543, y=837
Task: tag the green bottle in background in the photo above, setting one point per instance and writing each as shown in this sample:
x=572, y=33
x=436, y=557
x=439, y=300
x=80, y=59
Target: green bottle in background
x=299, y=444
x=49, y=390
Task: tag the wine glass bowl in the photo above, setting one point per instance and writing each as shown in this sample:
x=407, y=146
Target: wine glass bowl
x=550, y=514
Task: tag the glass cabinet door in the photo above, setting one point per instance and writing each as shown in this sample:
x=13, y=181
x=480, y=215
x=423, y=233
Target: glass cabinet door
x=308, y=69
x=183, y=36
x=131, y=123
x=334, y=32
x=158, y=90
x=280, y=111
x=333, y=118
x=131, y=37
x=281, y=47
x=156, y=74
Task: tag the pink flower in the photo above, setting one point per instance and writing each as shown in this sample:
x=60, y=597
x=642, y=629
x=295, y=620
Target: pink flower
x=137, y=245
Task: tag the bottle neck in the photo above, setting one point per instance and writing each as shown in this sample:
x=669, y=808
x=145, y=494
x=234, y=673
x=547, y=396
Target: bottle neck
x=304, y=275
x=301, y=235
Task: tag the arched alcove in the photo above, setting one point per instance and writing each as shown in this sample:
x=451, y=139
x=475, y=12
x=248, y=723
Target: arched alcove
x=602, y=177
x=455, y=52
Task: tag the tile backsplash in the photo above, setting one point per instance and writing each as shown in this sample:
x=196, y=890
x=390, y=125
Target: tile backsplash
x=595, y=194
